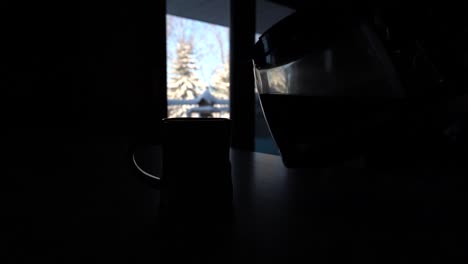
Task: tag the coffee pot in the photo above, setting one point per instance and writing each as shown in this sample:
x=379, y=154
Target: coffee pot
x=333, y=89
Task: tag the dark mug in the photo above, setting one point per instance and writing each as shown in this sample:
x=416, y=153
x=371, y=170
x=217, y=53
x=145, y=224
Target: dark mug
x=192, y=165
x=196, y=169
x=192, y=170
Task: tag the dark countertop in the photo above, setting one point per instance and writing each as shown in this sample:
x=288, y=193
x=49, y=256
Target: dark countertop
x=83, y=201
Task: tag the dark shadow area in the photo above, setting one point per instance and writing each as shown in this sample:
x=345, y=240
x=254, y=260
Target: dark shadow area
x=86, y=88
x=86, y=81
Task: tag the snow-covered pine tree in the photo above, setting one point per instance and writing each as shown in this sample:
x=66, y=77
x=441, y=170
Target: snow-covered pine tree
x=220, y=82
x=183, y=82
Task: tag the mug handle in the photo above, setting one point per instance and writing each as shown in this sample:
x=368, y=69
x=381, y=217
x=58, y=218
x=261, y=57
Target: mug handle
x=147, y=154
x=142, y=170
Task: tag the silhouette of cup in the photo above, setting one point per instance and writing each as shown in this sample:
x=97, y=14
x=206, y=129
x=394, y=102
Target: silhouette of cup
x=196, y=168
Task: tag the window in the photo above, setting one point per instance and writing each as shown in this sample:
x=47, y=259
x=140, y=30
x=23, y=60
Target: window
x=198, y=59
x=197, y=68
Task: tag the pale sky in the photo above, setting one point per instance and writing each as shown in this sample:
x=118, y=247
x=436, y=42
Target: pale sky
x=208, y=50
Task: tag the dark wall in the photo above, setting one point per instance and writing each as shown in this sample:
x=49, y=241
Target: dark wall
x=85, y=81
x=92, y=65
x=242, y=96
